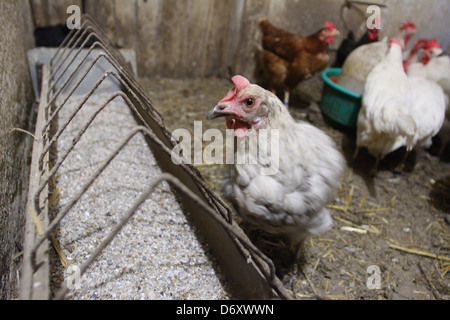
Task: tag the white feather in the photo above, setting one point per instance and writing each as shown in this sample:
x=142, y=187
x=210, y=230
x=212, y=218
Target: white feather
x=428, y=104
x=438, y=70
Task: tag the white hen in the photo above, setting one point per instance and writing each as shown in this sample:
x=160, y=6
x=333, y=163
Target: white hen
x=435, y=68
x=291, y=200
x=427, y=109
x=363, y=59
x=384, y=124
x=432, y=66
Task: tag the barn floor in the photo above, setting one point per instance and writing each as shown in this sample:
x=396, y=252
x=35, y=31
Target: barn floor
x=397, y=222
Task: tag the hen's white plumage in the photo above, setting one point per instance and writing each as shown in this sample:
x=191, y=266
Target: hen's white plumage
x=290, y=202
x=384, y=124
x=398, y=110
x=363, y=59
x=358, y=65
x=427, y=108
x=437, y=70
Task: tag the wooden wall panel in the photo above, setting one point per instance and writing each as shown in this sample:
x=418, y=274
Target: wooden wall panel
x=57, y=10
x=235, y=33
x=104, y=12
x=148, y=30
x=40, y=12
x=215, y=50
x=126, y=27
x=170, y=38
x=246, y=57
x=201, y=38
x=51, y=12
x=195, y=35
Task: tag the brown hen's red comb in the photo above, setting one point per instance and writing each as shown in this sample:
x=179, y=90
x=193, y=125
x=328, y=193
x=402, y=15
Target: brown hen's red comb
x=330, y=25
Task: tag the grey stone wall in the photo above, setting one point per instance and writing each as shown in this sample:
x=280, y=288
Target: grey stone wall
x=16, y=37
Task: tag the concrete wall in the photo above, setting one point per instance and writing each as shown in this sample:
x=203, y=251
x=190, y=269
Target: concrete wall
x=201, y=38
x=16, y=36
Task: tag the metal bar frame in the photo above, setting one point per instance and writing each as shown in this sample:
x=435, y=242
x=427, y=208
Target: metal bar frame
x=33, y=269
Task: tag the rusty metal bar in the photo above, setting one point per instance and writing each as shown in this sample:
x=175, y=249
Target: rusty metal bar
x=71, y=61
x=66, y=42
x=110, y=59
x=144, y=196
x=83, y=31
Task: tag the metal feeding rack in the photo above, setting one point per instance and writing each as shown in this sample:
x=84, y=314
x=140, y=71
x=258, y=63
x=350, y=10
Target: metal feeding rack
x=249, y=273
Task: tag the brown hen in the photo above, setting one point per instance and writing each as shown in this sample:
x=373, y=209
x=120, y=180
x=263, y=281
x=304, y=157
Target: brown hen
x=288, y=59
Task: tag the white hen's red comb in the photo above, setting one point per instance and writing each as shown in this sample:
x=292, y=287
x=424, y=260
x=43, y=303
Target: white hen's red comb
x=240, y=83
x=432, y=43
x=408, y=24
x=395, y=40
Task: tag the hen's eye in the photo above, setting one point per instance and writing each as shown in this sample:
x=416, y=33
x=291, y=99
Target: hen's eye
x=249, y=102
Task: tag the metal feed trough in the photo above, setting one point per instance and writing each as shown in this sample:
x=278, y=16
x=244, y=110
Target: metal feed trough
x=249, y=273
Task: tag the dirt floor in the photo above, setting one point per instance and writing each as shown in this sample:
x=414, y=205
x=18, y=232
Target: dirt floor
x=391, y=238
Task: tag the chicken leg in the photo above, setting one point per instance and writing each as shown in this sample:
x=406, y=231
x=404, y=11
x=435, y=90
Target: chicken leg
x=299, y=252
x=286, y=98
x=374, y=170
x=399, y=169
x=355, y=155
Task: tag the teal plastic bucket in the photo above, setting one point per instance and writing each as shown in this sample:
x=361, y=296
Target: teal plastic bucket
x=339, y=103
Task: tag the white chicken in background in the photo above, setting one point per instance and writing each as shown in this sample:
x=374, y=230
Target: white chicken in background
x=427, y=109
x=432, y=66
x=384, y=124
x=364, y=58
x=436, y=68
x=290, y=202
x=412, y=56
x=444, y=133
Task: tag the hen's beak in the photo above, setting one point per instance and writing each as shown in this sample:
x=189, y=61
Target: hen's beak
x=437, y=52
x=217, y=111
x=335, y=32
